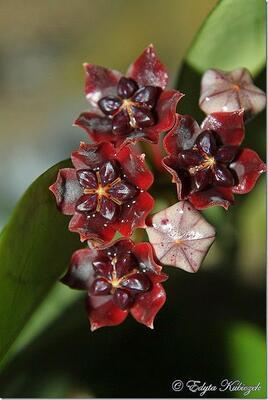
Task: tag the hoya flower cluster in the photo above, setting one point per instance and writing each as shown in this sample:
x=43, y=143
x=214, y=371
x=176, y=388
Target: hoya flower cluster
x=107, y=190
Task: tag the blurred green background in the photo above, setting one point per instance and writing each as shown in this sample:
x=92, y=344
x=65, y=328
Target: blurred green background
x=213, y=324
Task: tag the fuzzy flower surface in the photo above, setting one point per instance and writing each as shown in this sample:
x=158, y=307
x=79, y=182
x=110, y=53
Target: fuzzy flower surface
x=106, y=191
x=207, y=164
x=129, y=108
x=120, y=279
x=230, y=91
x=180, y=236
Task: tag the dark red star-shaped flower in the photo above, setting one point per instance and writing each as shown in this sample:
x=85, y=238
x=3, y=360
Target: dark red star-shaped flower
x=105, y=192
x=132, y=107
x=207, y=164
x=119, y=279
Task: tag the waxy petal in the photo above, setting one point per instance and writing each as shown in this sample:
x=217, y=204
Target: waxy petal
x=183, y=134
x=134, y=213
x=166, y=115
x=148, y=304
x=135, y=168
x=98, y=128
x=180, y=236
x=66, y=190
x=180, y=176
x=92, y=227
x=80, y=274
x=230, y=91
x=248, y=167
x=145, y=255
x=102, y=311
x=90, y=156
x=228, y=125
x=148, y=70
x=216, y=196
x=100, y=82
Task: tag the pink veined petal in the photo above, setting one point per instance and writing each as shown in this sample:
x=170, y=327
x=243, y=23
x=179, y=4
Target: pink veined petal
x=148, y=304
x=98, y=128
x=183, y=134
x=216, y=196
x=80, y=274
x=89, y=156
x=135, y=168
x=228, y=125
x=134, y=216
x=66, y=190
x=100, y=82
x=148, y=70
x=248, y=167
x=102, y=311
x=166, y=114
x=180, y=236
x=92, y=228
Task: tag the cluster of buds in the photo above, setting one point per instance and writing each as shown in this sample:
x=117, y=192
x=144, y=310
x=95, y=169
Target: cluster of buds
x=107, y=190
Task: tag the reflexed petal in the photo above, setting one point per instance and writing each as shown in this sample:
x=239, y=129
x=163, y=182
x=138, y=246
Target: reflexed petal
x=180, y=176
x=92, y=227
x=148, y=70
x=166, y=115
x=100, y=82
x=134, y=216
x=98, y=128
x=148, y=304
x=66, y=190
x=183, y=134
x=80, y=274
x=216, y=196
x=248, y=167
x=102, y=311
x=180, y=236
x=145, y=256
x=228, y=125
x=135, y=168
x=90, y=156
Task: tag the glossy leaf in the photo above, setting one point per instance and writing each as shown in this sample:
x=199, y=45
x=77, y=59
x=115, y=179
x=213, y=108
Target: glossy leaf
x=35, y=247
x=231, y=37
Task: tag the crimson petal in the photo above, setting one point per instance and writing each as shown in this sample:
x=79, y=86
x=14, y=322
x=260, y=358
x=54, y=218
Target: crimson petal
x=66, y=190
x=183, y=134
x=148, y=70
x=80, y=274
x=98, y=128
x=92, y=227
x=135, y=168
x=216, y=196
x=248, y=167
x=134, y=213
x=102, y=311
x=228, y=125
x=90, y=156
x=100, y=82
x=148, y=304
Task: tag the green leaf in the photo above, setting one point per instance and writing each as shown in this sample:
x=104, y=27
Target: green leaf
x=247, y=355
x=232, y=36
x=35, y=248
